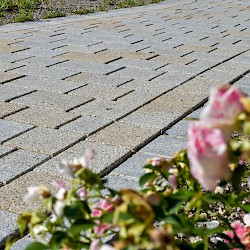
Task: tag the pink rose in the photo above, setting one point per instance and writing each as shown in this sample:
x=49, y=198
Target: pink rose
x=99, y=229
x=242, y=232
x=238, y=229
x=223, y=107
x=102, y=205
x=208, y=156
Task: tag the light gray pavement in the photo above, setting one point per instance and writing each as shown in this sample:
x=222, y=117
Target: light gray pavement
x=121, y=82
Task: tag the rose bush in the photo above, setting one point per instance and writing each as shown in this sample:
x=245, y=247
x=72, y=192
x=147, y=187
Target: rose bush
x=187, y=202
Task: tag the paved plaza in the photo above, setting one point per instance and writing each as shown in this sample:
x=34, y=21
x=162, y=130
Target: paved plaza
x=125, y=82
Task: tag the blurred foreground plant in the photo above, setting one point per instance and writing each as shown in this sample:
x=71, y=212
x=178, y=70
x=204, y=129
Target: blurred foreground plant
x=187, y=202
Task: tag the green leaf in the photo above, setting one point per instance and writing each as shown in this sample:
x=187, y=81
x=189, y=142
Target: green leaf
x=149, y=166
x=36, y=246
x=180, y=223
x=73, y=211
x=245, y=207
x=246, y=128
x=145, y=178
x=236, y=177
x=78, y=228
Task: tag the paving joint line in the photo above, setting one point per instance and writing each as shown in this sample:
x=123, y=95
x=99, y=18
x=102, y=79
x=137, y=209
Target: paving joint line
x=14, y=112
x=13, y=98
x=16, y=135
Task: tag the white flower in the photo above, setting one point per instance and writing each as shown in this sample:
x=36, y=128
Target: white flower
x=36, y=193
x=88, y=156
x=65, y=167
x=39, y=229
x=53, y=218
x=209, y=224
x=61, y=194
x=82, y=194
x=107, y=247
x=246, y=220
x=59, y=208
x=95, y=245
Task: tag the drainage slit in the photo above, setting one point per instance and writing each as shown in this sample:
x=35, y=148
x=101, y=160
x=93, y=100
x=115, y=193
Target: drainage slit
x=109, y=73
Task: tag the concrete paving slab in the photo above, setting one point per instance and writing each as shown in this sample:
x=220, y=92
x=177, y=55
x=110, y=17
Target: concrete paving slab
x=44, y=99
x=45, y=84
x=118, y=182
x=106, y=157
x=165, y=146
x=88, y=57
x=49, y=118
x=8, y=223
x=129, y=54
x=22, y=243
x=45, y=140
x=100, y=91
x=45, y=72
x=124, y=135
x=83, y=67
x=112, y=110
x=11, y=195
x=17, y=163
x=9, y=129
x=7, y=93
x=98, y=78
x=6, y=77
x=5, y=150
x=86, y=124
x=7, y=108
x=133, y=166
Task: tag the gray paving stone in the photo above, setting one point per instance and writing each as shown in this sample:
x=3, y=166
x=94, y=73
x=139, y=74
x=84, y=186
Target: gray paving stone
x=44, y=140
x=149, y=119
x=8, y=223
x=180, y=129
x=5, y=150
x=40, y=51
x=118, y=182
x=11, y=195
x=112, y=110
x=138, y=73
x=17, y=163
x=98, y=78
x=9, y=129
x=44, y=99
x=86, y=125
x=7, y=108
x=45, y=84
x=223, y=76
x=7, y=93
x=100, y=91
x=157, y=87
x=7, y=76
x=106, y=157
x=49, y=118
x=133, y=166
x=84, y=67
x=46, y=72
x=165, y=146
x=142, y=64
x=124, y=135
x=22, y=243
x=42, y=60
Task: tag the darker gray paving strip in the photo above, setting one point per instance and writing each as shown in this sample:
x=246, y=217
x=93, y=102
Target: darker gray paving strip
x=8, y=225
x=9, y=130
x=18, y=163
